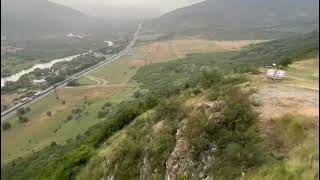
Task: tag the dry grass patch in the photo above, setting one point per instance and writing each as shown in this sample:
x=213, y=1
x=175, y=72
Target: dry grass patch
x=39, y=132
x=235, y=45
x=174, y=49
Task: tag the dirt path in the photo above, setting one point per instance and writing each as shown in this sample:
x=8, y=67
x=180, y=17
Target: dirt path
x=97, y=80
x=279, y=99
x=110, y=85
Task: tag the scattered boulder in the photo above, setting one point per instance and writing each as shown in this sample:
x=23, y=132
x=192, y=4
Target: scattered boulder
x=214, y=106
x=255, y=99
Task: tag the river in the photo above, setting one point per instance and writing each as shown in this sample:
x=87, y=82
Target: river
x=15, y=77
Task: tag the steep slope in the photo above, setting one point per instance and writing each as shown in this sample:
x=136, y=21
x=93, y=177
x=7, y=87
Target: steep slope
x=144, y=137
x=218, y=17
x=35, y=18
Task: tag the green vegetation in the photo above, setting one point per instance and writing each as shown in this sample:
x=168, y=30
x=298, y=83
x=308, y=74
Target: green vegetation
x=304, y=73
x=49, y=113
x=42, y=51
x=139, y=134
x=231, y=20
x=129, y=157
x=6, y=126
x=171, y=74
x=73, y=83
x=285, y=62
x=118, y=72
x=294, y=137
x=57, y=73
x=64, y=161
x=23, y=119
x=85, y=81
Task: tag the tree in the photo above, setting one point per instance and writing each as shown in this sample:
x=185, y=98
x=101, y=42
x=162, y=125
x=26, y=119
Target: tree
x=137, y=94
x=102, y=114
x=23, y=119
x=69, y=118
x=63, y=102
x=286, y=62
x=4, y=107
x=6, y=126
x=49, y=113
x=21, y=111
x=73, y=83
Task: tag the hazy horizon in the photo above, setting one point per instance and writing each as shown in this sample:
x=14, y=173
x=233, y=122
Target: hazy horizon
x=126, y=8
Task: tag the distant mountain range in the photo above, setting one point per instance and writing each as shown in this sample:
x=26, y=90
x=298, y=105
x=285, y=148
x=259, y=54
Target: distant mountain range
x=37, y=18
x=217, y=17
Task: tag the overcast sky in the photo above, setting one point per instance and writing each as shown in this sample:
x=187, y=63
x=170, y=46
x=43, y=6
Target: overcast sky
x=157, y=6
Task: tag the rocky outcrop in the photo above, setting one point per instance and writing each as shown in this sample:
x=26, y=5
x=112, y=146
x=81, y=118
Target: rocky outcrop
x=211, y=106
x=178, y=160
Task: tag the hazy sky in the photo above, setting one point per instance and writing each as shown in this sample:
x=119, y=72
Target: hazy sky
x=158, y=6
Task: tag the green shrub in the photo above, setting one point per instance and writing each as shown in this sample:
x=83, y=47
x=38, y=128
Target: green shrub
x=6, y=126
x=69, y=118
x=235, y=136
x=290, y=130
x=102, y=113
x=73, y=83
x=49, y=113
x=107, y=104
x=21, y=111
x=285, y=62
x=302, y=163
x=210, y=78
x=23, y=119
x=137, y=94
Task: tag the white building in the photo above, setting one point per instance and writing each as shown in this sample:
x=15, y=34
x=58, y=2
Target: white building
x=39, y=81
x=110, y=43
x=276, y=74
x=71, y=35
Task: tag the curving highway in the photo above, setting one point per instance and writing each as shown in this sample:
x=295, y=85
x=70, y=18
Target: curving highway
x=8, y=113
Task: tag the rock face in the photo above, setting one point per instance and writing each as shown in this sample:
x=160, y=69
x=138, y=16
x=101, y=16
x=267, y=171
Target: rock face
x=180, y=162
x=206, y=159
x=178, y=158
x=146, y=171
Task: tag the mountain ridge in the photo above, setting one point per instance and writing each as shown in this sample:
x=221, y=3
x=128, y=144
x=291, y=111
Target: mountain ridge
x=216, y=16
x=42, y=18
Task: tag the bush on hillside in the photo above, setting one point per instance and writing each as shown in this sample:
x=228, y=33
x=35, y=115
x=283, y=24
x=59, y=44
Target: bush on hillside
x=49, y=113
x=137, y=94
x=6, y=126
x=73, y=83
x=21, y=111
x=285, y=62
x=23, y=119
x=290, y=130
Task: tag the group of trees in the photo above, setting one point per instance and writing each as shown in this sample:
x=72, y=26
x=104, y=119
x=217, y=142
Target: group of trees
x=57, y=73
x=21, y=112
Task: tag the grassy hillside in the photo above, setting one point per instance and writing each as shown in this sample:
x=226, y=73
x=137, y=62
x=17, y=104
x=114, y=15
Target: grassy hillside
x=196, y=115
x=172, y=74
x=243, y=19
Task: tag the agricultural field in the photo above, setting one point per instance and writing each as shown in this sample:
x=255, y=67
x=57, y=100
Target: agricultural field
x=111, y=83
x=124, y=68
x=178, y=101
x=42, y=130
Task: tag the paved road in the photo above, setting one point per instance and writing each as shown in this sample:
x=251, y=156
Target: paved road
x=8, y=113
